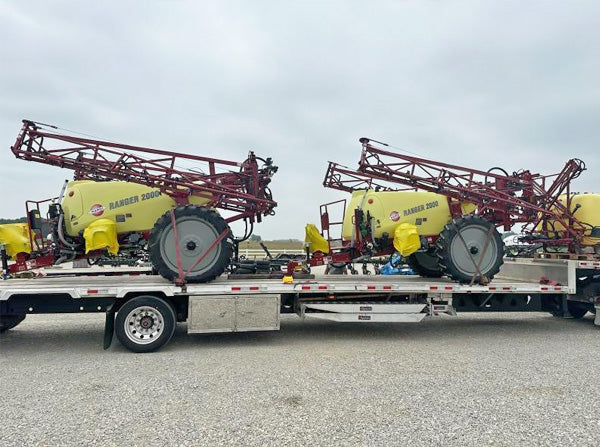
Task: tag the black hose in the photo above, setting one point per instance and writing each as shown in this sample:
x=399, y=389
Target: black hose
x=496, y=168
x=247, y=233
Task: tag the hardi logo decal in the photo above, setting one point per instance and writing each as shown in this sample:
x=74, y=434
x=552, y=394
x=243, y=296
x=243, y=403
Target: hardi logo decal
x=96, y=210
x=395, y=216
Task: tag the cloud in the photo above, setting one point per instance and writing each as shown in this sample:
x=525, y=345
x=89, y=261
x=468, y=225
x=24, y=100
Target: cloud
x=482, y=84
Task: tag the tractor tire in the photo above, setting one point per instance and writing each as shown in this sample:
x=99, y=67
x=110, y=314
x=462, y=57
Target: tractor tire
x=460, y=262
x=197, y=227
x=8, y=322
x=425, y=264
x=145, y=323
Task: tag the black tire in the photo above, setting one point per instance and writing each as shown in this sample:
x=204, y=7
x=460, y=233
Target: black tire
x=145, y=323
x=336, y=269
x=425, y=264
x=578, y=310
x=198, y=227
x=454, y=259
x=8, y=322
x=588, y=289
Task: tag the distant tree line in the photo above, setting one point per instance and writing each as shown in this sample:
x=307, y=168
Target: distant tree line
x=9, y=221
x=45, y=223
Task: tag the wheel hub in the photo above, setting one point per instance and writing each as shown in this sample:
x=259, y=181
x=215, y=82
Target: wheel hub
x=468, y=253
x=144, y=324
x=195, y=236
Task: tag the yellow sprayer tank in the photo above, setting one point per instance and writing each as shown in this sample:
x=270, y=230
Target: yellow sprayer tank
x=588, y=212
x=15, y=238
x=131, y=206
x=427, y=210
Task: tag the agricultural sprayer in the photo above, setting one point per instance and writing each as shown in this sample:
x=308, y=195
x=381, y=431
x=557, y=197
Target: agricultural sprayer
x=444, y=219
x=127, y=198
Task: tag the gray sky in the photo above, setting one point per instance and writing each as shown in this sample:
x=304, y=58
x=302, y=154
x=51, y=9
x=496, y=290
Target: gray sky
x=479, y=83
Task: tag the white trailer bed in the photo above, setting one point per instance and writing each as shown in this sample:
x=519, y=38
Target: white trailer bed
x=226, y=305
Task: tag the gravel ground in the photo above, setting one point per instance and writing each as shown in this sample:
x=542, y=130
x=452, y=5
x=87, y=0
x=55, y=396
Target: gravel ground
x=506, y=379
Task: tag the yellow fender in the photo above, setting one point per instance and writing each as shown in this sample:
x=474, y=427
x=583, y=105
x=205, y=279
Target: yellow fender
x=15, y=238
x=314, y=240
x=406, y=239
x=101, y=234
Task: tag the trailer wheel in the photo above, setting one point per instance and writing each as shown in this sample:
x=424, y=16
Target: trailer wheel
x=425, y=264
x=589, y=289
x=577, y=310
x=197, y=228
x=145, y=323
x=8, y=322
x=469, y=243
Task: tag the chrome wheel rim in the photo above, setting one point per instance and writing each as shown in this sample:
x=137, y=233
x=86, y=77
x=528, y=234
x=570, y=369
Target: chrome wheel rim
x=144, y=324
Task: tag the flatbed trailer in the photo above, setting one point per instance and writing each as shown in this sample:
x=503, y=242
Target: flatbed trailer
x=143, y=310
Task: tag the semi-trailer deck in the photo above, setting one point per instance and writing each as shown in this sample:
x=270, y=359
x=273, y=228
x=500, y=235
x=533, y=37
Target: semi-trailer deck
x=142, y=310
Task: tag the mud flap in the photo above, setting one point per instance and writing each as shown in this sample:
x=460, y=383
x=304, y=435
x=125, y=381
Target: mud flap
x=109, y=326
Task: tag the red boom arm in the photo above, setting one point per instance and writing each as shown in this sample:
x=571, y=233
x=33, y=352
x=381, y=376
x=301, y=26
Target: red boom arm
x=246, y=192
x=503, y=199
x=345, y=179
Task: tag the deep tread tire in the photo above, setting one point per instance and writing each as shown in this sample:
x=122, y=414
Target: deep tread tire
x=8, y=322
x=211, y=218
x=444, y=246
x=421, y=263
x=162, y=307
